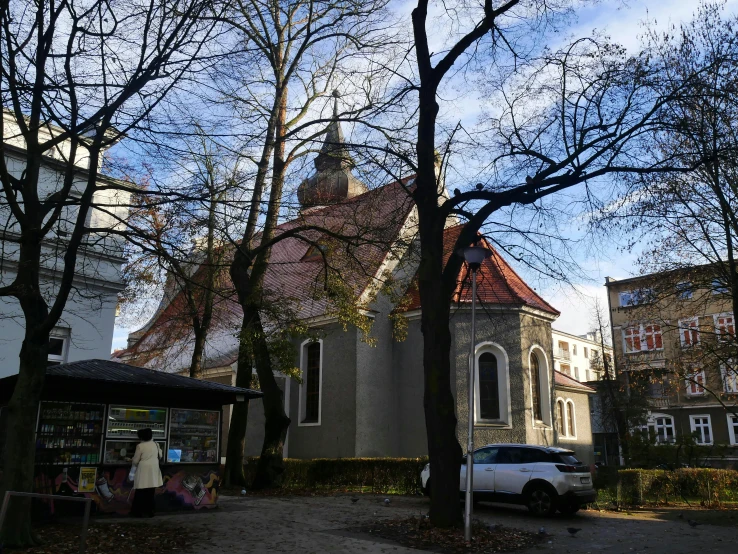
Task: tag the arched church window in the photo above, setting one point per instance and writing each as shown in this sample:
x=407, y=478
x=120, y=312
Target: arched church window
x=570, y=429
x=560, y=417
x=535, y=370
x=489, y=389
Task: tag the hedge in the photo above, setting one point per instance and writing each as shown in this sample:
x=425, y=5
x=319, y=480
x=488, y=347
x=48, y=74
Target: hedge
x=378, y=475
x=654, y=486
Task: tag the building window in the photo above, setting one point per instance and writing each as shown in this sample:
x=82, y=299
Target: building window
x=535, y=382
x=689, y=331
x=718, y=287
x=588, y=378
x=724, y=326
x=489, y=388
x=561, y=417
x=663, y=426
x=642, y=338
x=492, y=389
x=695, y=383
x=586, y=352
x=733, y=428
x=730, y=377
x=58, y=347
x=311, y=364
x=684, y=290
x=701, y=428
x=570, y=420
x=635, y=297
x=566, y=368
x=573, y=349
x=576, y=373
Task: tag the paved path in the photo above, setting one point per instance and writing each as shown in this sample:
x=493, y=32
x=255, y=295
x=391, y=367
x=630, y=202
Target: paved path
x=308, y=525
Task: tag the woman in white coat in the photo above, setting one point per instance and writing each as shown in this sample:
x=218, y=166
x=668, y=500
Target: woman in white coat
x=148, y=475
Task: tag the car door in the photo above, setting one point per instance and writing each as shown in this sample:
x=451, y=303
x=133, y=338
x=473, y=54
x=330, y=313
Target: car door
x=484, y=467
x=513, y=470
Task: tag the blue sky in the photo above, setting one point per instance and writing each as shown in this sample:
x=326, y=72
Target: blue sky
x=623, y=21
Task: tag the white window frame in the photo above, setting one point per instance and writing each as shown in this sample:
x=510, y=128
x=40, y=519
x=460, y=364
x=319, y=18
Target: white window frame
x=730, y=379
x=690, y=383
x=503, y=386
x=544, y=387
x=689, y=326
x=642, y=337
x=564, y=428
x=717, y=329
x=64, y=335
x=694, y=428
x=652, y=423
x=732, y=428
x=302, y=407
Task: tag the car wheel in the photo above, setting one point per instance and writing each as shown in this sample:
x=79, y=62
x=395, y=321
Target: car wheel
x=541, y=502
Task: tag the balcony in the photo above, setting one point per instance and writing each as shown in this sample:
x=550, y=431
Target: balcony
x=659, y=402
x=562, y=354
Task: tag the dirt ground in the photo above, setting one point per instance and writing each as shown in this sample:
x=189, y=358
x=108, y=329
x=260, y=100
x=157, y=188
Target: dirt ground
x=327, y=524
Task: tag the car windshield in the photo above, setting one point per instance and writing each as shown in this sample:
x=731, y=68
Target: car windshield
x=568, y=459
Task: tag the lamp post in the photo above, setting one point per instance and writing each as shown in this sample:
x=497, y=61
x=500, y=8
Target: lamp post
x=474, y=256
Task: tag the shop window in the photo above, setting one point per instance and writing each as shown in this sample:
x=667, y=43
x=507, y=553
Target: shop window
x=689, y=331
x=701, y=428
x=695, y=383
x=724, y=326
x=729, y=373
x=311, y=364
x=492, y=389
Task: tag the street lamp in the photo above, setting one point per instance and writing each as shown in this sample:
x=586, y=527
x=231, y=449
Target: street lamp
x=474, y=256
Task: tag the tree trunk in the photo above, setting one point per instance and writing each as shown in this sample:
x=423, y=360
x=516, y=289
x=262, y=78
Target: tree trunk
x=435, y=298
x=271, y=462
x=233, y=474
x=20, y=451
x=197, y=352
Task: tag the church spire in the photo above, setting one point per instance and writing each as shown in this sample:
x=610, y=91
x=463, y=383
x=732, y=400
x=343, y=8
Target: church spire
x=333, y=180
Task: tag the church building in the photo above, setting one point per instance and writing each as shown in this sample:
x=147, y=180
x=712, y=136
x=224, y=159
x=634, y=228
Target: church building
x=360, y=398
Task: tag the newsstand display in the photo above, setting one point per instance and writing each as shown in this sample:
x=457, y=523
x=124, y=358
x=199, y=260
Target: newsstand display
x=86, y=433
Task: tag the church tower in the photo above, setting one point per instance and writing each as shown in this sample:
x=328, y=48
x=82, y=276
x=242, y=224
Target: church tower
x=333, y=180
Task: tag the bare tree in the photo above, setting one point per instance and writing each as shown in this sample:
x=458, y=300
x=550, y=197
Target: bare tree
x=562, y=118
x=297, y=52
x=76, y=76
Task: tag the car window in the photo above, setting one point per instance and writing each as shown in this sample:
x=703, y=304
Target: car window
x=569, y=459
x=485, y=456
x=510, y=455
x=534, y=455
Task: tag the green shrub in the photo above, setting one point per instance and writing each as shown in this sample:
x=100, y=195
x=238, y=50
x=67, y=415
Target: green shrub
x=655, y=486
x=377, y=475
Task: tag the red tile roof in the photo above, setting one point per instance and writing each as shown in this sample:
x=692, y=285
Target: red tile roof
x=497, y=282
x=374, y=218
x=563, y=380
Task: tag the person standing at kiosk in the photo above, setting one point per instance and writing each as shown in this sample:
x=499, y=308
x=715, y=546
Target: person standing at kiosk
x=147, y=475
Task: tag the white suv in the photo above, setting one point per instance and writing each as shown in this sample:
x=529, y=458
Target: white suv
x=541, y=477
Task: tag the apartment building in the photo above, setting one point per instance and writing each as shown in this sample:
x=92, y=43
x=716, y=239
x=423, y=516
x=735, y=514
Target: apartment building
x=580, y=356
x=85, y=329
x=674, y=341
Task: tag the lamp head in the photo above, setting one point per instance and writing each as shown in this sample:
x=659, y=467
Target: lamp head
x=474, y=255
